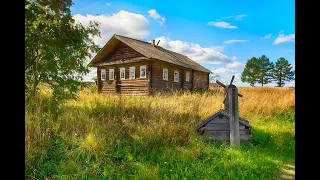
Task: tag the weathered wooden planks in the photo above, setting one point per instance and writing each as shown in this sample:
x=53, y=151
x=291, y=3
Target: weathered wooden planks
x=137, y=85
x=168, y=85
x=154, y=78
x=221, y=126
x=226, y=136
x=200, y=80
x=218, y=125
x=121, y=51
x=234, y=115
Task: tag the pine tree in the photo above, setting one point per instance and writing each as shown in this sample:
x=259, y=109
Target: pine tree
x=250, y=71
x=265, y=67
x=283, y=72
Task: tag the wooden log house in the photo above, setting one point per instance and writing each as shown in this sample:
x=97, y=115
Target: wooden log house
x=130, y=66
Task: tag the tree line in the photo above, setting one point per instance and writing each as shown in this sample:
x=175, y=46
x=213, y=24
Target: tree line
x=261, y=71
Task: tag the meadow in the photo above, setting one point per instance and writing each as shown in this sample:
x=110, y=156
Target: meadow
x=101, y=136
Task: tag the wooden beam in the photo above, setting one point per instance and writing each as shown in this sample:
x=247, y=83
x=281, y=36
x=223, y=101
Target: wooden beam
x=234, y=116
x=133, y=85
x=192, y=77
x=182, y=79
x=224, y=86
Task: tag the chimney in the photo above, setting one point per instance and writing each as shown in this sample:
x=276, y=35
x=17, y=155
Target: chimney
x=153, y=42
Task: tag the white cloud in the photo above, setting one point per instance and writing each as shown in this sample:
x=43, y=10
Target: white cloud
x=222, y=24
x=234, y=41
x=224, y=75
x=214, y=77
x=92, y=74
x=284, y=38
x=207, y=55
x=236, y=80
x=123, y=23
x=108, y=4
x=227, y=78
x=237, y=17
x=222, y=71
x=268, y=36
x=154, y=15
x=235, y=64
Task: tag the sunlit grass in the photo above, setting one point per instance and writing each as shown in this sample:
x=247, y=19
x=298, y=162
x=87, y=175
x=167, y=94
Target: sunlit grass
x=153, y=137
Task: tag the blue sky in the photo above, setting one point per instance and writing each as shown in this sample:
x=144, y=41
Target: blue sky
x=219, y=35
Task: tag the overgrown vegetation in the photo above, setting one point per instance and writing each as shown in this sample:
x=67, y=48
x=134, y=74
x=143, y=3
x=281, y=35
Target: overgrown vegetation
x=99, y=136
x=56, y=48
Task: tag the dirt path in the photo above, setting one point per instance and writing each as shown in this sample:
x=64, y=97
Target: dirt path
x=288, y=172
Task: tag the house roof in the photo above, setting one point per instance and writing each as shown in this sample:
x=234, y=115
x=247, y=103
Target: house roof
x=153, y=52
x=225, y=113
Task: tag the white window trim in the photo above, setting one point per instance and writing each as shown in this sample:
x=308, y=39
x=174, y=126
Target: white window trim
x=187, y=76
x=165, y=69
x=124, y=73
x=105, y=75
x=111, y=70
x=134, y=72
x=145, y=67
x=174, y=79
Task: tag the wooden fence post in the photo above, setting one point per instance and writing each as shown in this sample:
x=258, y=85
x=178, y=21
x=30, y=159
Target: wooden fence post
x=234, y=116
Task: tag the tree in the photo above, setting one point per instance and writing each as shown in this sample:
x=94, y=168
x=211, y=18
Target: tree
x=250, y=71
x=56, y=47
x=265, y=67
x=283, y=72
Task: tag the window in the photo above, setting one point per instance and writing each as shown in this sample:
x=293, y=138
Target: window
x=176, y=76
x=165, y=74
x=187, y=76
x=111, y=74
x=122, y=73
x=132, y=72
x=143, y=70
x=103, y=74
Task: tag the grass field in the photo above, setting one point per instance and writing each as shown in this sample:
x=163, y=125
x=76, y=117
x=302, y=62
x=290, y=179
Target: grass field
x=102, y=136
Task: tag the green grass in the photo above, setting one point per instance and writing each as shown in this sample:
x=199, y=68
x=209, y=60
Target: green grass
x=121, y=137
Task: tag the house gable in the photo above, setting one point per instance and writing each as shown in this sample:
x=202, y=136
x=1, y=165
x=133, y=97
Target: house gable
x=120, y=52
x=114, y=50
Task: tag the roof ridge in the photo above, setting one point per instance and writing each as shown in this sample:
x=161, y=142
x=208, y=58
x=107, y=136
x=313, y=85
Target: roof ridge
x=131, y=38
x=151, y=45
x=174, y=52
x=164, y=49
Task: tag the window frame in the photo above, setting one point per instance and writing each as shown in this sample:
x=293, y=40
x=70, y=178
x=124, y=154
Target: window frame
x=105, y=74
x=145, y=72
x=163, y=70
x=174, y=77
x=124, y=73
x=111, y=70
x=134, y=72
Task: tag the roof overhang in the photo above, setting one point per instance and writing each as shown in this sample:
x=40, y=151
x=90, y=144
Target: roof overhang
x=122, y=61
x=225, y=113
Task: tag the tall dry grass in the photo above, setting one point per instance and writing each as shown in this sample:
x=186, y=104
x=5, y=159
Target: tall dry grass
x=97, y=124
